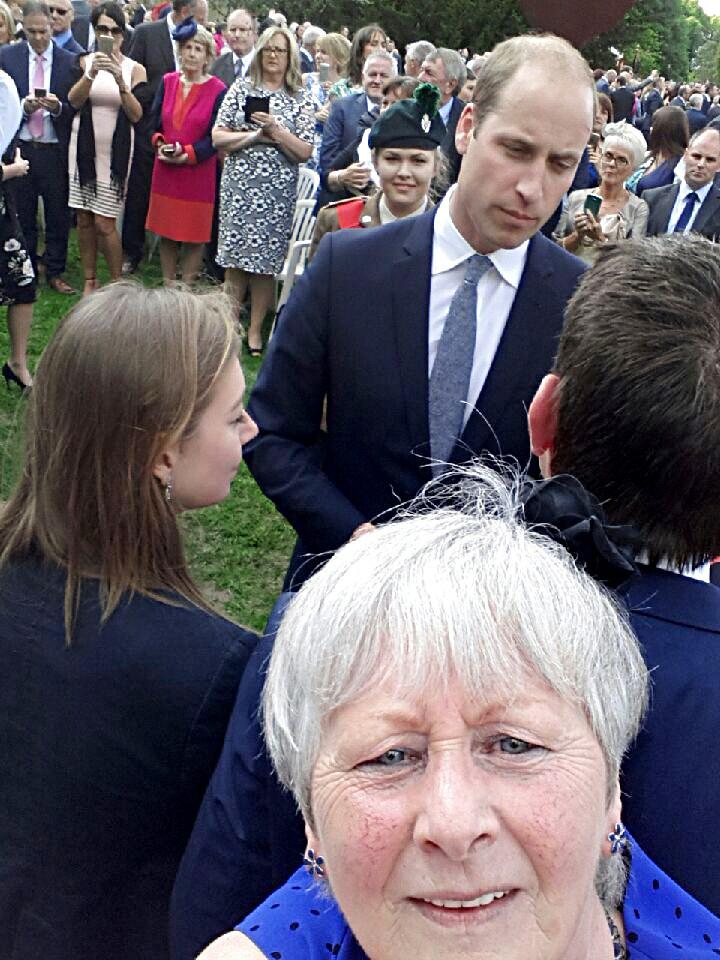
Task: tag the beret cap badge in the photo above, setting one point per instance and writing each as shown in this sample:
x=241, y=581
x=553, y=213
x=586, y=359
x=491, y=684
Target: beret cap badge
x=426, y=123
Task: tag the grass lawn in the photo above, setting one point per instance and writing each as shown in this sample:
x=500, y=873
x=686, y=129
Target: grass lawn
x=239, y=549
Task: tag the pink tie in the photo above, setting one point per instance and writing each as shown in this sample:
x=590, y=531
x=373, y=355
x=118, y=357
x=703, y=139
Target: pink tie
x=36, y=122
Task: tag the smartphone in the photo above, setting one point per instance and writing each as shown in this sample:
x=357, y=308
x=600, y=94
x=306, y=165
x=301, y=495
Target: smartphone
x=168, y=149
x=256, y=105
x=40, y=93
x=594, y=141
x=324, y=72
x=593, y=204
x=105, y=45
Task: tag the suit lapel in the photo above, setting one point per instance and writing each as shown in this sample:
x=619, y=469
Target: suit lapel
x=411, y=303
x=24, y=58
x=515, y=367
x=664, y=208
x=707, y=210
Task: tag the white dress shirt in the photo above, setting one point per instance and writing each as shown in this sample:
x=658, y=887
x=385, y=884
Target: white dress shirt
x=246, y=61
x=445, y=112
x=679, y=205
x=171, y=27
x=496, y=294
x=48, y=134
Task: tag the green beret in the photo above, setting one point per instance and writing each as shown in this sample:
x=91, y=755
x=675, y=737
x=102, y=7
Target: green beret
x=411, y=123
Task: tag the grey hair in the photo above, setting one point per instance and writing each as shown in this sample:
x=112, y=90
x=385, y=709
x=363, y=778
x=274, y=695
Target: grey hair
x=452, y=64
x=311, y=35
x=381, y=55
x=696, y=101
x=628, y=137
x=419, y=51
x=464, y=590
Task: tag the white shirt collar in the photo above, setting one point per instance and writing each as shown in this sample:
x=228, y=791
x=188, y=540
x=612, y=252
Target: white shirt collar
x=445, y=111
x=685, y=190
x=48, y=53
x=387, y=216
x=450, y=248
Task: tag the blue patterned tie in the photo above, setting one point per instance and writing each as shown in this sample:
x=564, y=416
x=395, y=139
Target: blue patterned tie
x=684, y=218
x=450, y=377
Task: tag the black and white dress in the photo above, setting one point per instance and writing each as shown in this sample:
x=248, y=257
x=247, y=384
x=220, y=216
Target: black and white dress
x=259, y=183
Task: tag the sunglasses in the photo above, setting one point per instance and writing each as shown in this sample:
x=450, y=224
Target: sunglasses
x=106, y=31
x=63, y=11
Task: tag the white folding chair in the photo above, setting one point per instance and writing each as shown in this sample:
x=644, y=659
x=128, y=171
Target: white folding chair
x=302, y=229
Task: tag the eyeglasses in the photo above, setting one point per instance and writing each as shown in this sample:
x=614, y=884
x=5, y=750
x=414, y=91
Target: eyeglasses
x=276, y=51
x=106, y=31
x=63, y=11
x=240, y=30
x=609, y=157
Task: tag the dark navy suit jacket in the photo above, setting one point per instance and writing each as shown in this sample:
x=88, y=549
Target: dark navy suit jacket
x=341, y=128
x=671, y=778
x=14, y=58
x=355, y=330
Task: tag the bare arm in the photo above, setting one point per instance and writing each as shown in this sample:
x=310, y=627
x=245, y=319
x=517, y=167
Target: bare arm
x=229, y=141
x=233, y=946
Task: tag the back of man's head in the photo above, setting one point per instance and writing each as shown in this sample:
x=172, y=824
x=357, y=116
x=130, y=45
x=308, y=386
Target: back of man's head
x=638, y=414
x=696, y=101
x=419, y=51
x=622, y=79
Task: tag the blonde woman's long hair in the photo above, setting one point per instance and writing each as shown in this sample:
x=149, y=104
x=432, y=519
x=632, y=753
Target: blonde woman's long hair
x=293, y=75
x=127, y=374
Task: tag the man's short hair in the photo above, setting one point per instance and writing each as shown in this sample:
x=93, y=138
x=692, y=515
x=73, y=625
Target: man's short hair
x=381, y=55
x=696, y=101
x=508, y=58
x=698, y=133
x=639, y=399
x=453, y=65
x=311, y=35
x=34, y=8
x=419, y=51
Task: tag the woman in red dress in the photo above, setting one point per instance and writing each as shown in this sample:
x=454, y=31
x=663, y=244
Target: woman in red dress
x=184, y=175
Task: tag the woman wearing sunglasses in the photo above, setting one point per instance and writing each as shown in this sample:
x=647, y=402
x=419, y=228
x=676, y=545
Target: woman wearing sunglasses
x=109, y=100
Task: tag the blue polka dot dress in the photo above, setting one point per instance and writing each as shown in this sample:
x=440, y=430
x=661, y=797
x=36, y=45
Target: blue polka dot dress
x=662, y=922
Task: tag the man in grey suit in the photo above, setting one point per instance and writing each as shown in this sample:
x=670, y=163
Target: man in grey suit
x=693, y=204
x=241, y=35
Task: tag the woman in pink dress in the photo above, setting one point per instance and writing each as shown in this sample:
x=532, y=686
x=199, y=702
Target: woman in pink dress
x=184, y=176
x=101, y=144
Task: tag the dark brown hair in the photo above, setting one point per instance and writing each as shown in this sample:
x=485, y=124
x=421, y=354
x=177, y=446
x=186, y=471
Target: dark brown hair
x=670, y=132
x=605, y=104
x=126, y=375
x=357, y=58
x=639, y=399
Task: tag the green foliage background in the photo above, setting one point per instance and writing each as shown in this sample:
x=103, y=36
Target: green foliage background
x=674, y=36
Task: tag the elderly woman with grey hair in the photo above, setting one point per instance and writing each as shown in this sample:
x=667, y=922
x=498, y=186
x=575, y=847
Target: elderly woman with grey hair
x=607, y=212
x=449, y=701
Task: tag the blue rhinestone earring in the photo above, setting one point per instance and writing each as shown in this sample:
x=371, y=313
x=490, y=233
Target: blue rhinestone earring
x=315, y=864
x=618, y=839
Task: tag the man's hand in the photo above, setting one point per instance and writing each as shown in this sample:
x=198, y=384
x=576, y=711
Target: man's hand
x=50, y=103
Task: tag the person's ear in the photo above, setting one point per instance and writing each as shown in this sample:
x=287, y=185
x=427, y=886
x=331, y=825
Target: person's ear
x=542, y=419
x=464, y=129
x=165, y=463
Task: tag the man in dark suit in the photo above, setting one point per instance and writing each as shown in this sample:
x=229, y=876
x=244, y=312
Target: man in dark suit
x=341, y=128
x=697, y=117
x=153, y=47
x=43, y=137
x=61, y=18
x=310, y=37
x=623, y=96
x=694, y=203
x=363, y=326
x=446, y=70
x=632, y=411
x=241, y=33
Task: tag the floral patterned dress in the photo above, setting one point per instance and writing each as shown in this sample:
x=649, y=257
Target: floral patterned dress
x=259, y=183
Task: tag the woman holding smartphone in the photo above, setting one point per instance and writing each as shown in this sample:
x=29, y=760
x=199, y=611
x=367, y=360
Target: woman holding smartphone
x=182, y=197
x=332, y=55
x=108, y=97
x=266, y=127
x=608, y=212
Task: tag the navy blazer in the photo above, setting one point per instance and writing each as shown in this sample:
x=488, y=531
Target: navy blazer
x=14, y=59
x=448, y=145
x=671, y=800
x=355, y=330
x=341, y=128
x=661, y=201
x=151, y=46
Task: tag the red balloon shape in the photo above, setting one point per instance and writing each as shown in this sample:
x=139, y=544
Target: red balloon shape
x=577, y=22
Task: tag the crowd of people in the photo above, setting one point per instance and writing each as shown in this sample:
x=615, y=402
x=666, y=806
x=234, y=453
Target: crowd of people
x=481, y=720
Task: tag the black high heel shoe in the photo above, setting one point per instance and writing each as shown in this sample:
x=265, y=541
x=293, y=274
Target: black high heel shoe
x=12, y=377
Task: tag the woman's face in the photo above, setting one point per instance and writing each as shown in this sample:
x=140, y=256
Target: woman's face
x=4, y=32
x=405, y=175
x=375, y=43
x=204, y=465
x=106, y=26
x=275, y=56
x=193, y=57
x=616, y=163
x=601, y=118
x=452, y=829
